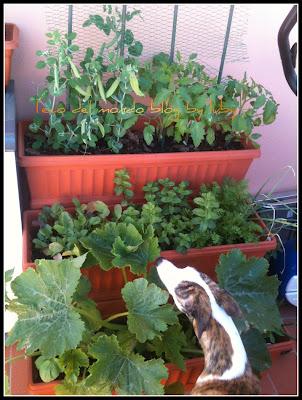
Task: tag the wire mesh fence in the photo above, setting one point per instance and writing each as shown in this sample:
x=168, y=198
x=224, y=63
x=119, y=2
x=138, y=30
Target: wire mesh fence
x=199, y=28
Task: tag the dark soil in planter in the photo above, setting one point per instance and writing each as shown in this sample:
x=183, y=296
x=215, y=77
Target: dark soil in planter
x=133, y=143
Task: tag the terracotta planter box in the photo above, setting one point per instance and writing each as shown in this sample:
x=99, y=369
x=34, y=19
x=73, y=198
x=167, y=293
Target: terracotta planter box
x=11, y=43
x=106, y=285
x=59, y=178
x=21, y=372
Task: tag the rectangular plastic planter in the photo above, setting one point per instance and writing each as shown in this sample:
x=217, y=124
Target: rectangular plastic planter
x=59, y=178
x=21, y=376
x=107, y=285
x=11, y=43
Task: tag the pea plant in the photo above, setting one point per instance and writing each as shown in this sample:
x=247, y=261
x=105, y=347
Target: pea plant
x=194, y=108
x=87, y=125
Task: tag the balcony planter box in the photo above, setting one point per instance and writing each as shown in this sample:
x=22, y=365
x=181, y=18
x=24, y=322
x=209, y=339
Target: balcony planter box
x=107, y=285
x=21, y=372
x=59, y=178
x=11, y=43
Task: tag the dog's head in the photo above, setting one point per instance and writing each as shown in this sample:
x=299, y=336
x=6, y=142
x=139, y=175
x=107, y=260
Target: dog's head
x=196, y=295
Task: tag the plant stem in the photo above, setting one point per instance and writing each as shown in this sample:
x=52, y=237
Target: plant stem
x=122, y=314
x=124, y=275
x=103, y=323
x=36, y=353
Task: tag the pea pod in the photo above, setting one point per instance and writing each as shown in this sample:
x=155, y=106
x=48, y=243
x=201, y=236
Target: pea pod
x=101, y=89
x=74, y=69
x=81, y=91
x=134, y=84
x=113, y=88
x=88, y=93
x=102, y=129
x=83, y=126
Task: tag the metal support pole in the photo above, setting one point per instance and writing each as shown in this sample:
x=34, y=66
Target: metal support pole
x=124, y=10
x=226, y=40
x=173, y=38
x=70, y=12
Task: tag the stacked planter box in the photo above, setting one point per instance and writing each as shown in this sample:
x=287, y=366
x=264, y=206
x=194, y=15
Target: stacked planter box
x=59, y=178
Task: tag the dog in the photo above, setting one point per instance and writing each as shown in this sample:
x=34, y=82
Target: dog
x=227, y=370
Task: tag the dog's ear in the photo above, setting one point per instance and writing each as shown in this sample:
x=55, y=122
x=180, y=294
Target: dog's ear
x=202, y=315
x=225, y=300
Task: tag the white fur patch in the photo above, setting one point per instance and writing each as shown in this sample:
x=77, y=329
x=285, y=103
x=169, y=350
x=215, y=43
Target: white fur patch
x=171, y=277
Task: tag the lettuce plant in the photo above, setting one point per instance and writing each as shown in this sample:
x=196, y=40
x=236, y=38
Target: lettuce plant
x=126, y=352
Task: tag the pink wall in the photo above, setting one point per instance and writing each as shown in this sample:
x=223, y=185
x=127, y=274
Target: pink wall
x=279, y=140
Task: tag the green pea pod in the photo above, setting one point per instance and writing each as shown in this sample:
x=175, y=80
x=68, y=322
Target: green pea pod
x=88, y=93
x=101, y=89
x=81, y=91
x=102, y=129
x=74, y=69
x=83, y=127
x=134, y=84
x=113, y=88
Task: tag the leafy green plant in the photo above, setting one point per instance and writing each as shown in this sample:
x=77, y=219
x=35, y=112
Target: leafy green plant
x=86, y=126
x=196, y=109
x=97, y=355
x=221, y=214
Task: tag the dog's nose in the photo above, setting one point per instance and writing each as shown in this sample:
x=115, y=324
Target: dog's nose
x=158, y=261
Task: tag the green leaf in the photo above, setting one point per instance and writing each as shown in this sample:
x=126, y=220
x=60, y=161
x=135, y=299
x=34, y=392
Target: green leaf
x=259, y=102
x=130, y=122
x=128, y=374
x=256, y=136
x=256, y=292
x=49, y=368
x=256, y=350
x=81, y=388
x=69, y=116
x=149, y=315
x=210, y=136
x=71, y=36
x=239, y=124
x=9, y=275
x=161, y=96
x=138, y=260
x=55, y=248
x=51, y=60
x=100, y=244
x=71, y=361
x=41, y=64
x=148, y=134
x=44, y=307
x=197, y=132
x=270, y=111
x=74, y=47
x=135, y=49
x=170, y=344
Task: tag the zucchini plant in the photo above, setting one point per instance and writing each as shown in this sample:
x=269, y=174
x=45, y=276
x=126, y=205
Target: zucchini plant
x=126, y=352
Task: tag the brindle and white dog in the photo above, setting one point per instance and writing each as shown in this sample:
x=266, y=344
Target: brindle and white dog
x=210, y=309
